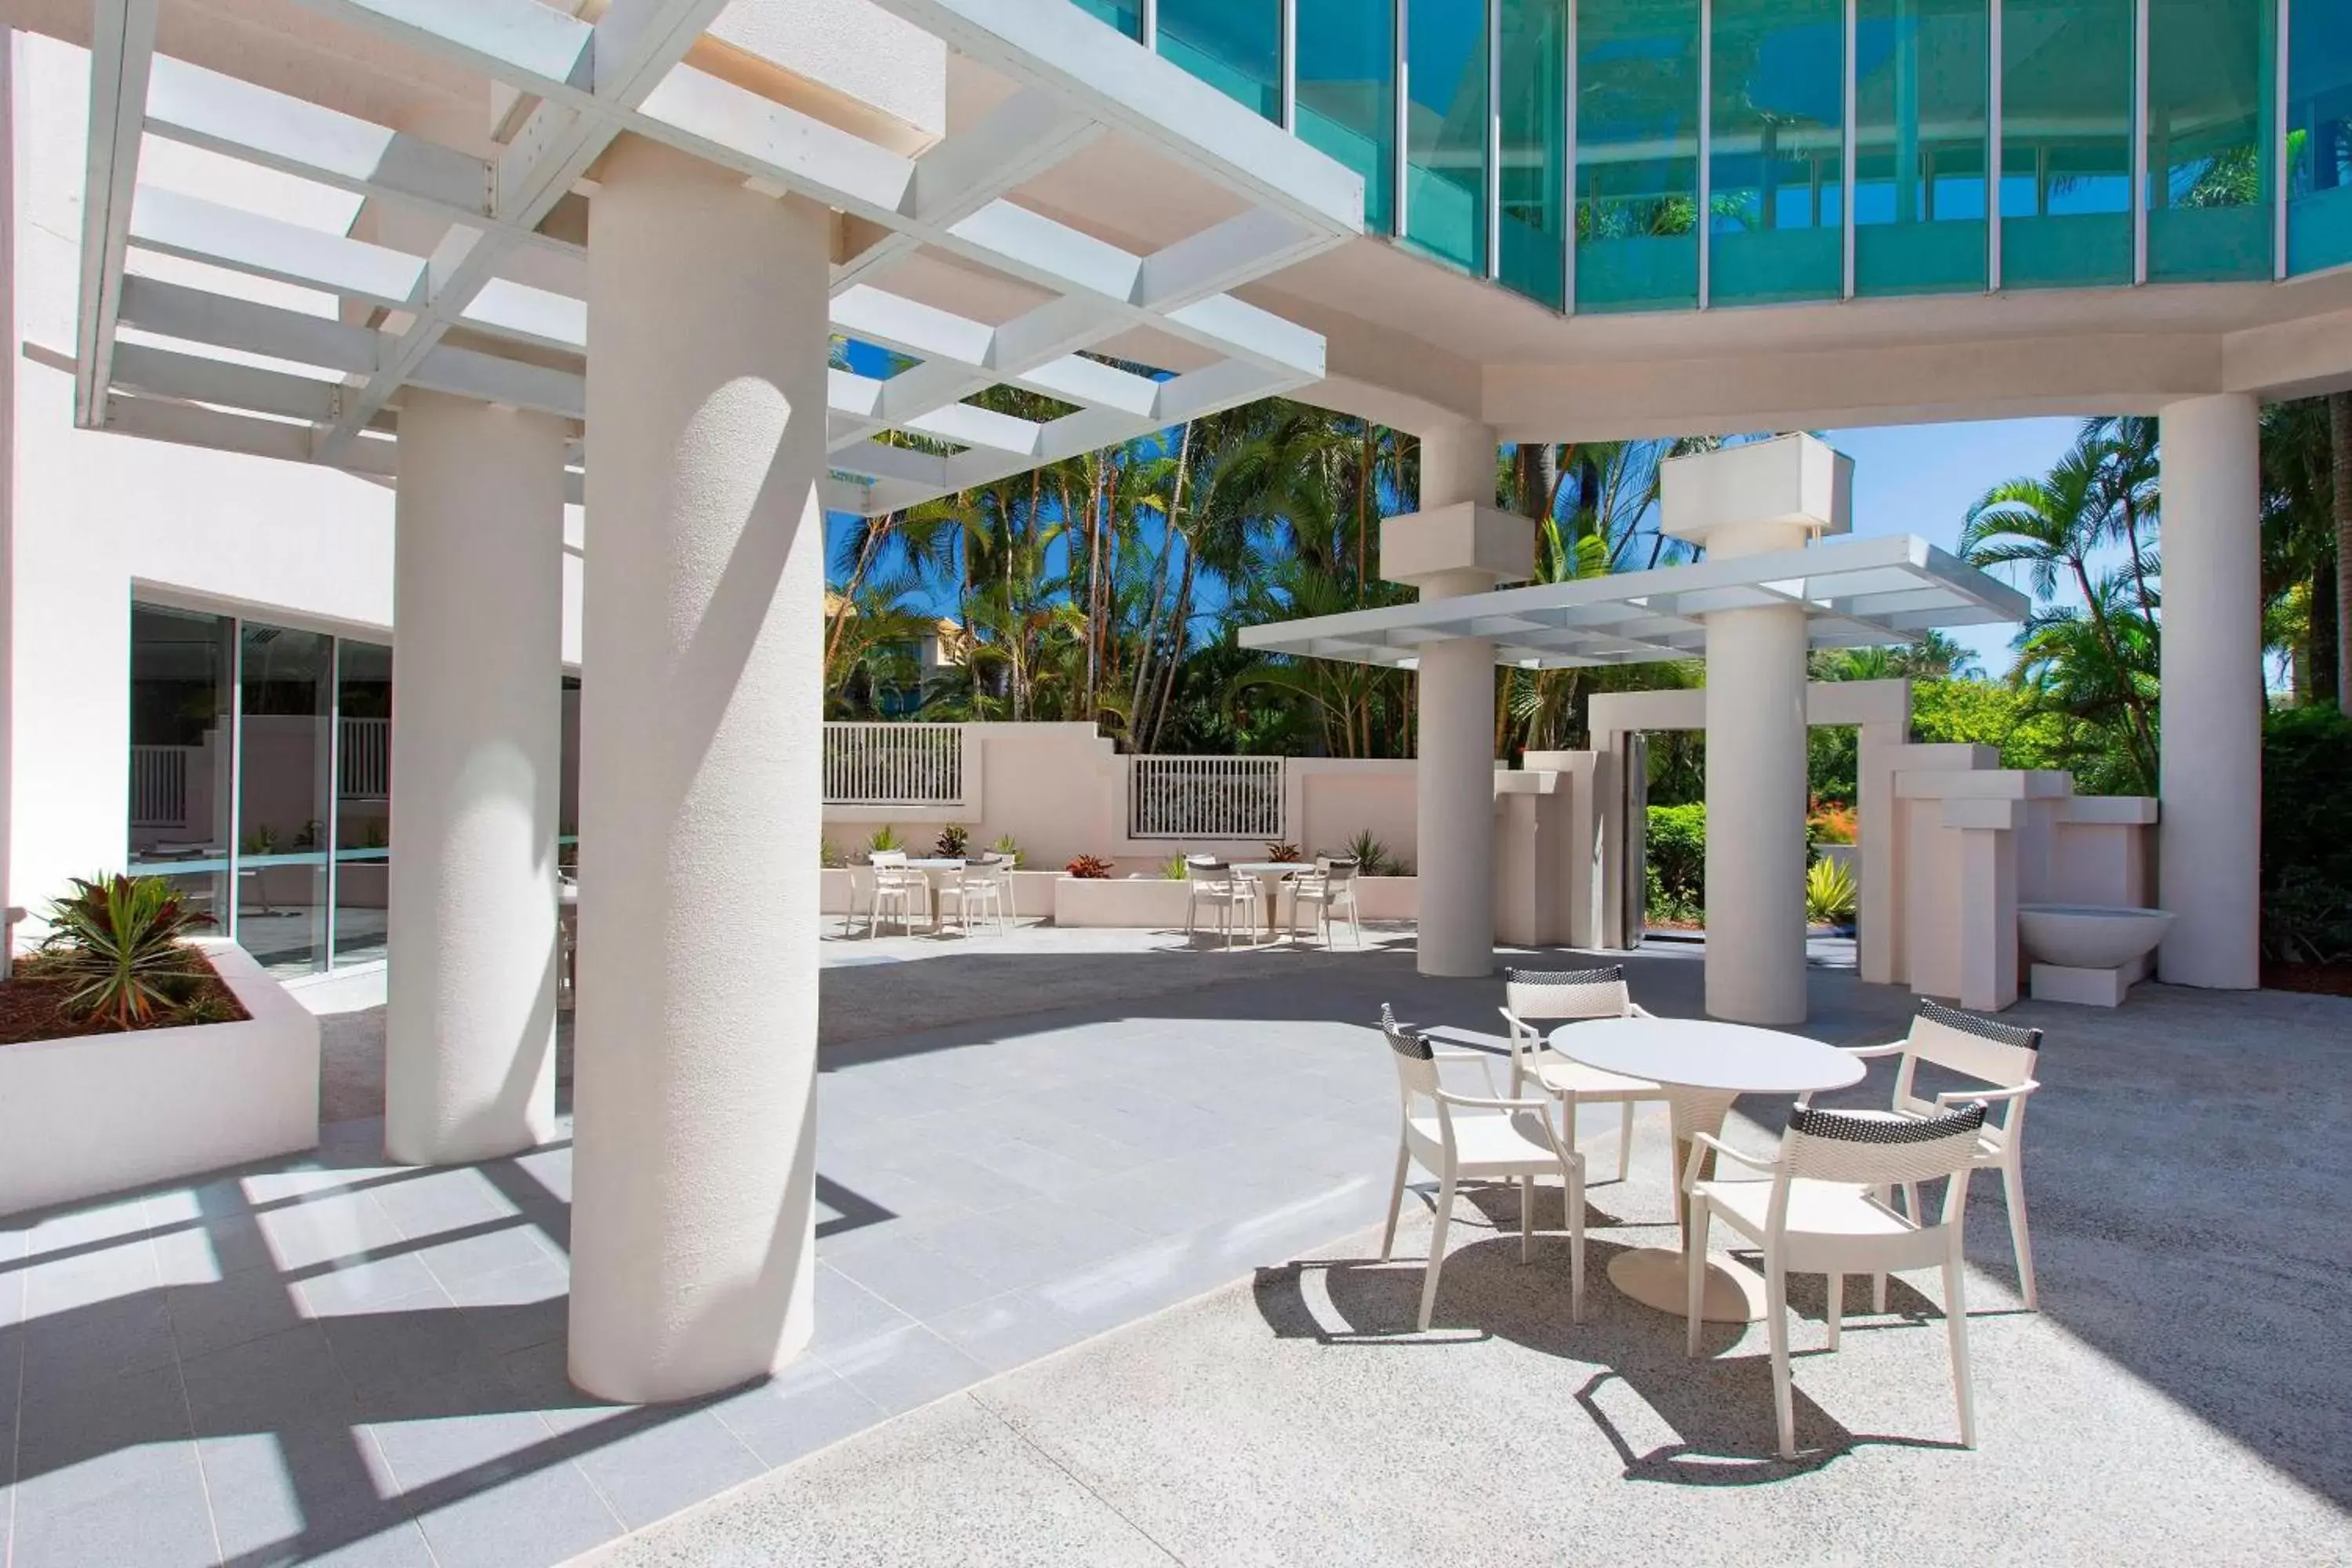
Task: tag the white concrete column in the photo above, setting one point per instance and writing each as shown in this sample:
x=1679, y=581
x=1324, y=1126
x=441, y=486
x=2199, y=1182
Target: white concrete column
x=694, y=1160
x=477, y=596
x=2211, y=822
x=1453, y=825
x=1756, y=816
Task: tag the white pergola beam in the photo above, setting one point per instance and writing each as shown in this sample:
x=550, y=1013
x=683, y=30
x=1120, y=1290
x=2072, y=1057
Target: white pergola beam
x=195, y=229
x=197, y=316
x=492, y=378
x=535, y=47
x=187, y=425
x=121, y=53
x=192, y=378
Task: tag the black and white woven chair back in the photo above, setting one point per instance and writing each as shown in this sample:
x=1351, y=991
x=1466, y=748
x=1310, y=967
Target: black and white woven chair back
x=1567, y=992
x=1982, y=1048
x=1415, y=1057
x=1880, y=1148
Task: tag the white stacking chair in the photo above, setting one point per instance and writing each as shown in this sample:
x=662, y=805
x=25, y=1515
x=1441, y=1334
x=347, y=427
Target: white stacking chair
x=2001, y=1057
x=896, y=886
x=1554, y=996
x=1820, y=1215
x=980, y=890
x=1487, y=1138
x=1330, y=887
x=1224, y=890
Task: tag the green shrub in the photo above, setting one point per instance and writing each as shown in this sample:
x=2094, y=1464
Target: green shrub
x=2307, y=836
x=118, y=939
x=882, y=840
x=1007, y=847
x=828, y=854
x=1174, y=868
x=1372, y=856
x=1677, y=852
x=1830, y=893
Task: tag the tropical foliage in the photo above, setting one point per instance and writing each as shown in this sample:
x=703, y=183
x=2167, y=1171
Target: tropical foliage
x=119, y=943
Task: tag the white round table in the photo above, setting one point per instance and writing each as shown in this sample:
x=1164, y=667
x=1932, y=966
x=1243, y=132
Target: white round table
x=1703, y=1066
x=1269, y=876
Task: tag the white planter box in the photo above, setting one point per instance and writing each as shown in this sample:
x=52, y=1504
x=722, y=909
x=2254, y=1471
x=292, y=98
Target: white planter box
x=1153, y=903
x=1033, y=892
x=102, y=1112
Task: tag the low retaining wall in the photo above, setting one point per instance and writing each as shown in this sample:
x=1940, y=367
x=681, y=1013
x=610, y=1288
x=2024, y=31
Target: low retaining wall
x=1158, y=903
x=102, y=1112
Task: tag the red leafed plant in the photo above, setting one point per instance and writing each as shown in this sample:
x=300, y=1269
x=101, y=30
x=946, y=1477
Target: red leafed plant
x=119, y=941
x=1088, y=867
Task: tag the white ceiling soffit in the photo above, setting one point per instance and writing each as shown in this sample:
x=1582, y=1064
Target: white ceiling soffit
x=1856, y=593
x=1073, y=79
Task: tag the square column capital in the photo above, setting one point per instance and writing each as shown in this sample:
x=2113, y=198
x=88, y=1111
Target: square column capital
x=1462, y=548
x=1757, y=497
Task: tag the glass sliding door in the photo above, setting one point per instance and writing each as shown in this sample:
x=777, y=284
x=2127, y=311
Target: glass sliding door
x=1532, y=122
x=1347, y=95
x=363, y=817
x=285, y=745
x=1923, y=92
x=2066, y=143
x=1637, y=115
x=183, y=670
x=1127, y=16
x=2319, y=136
x=1777, y=142
x=1445, y=130
x=1235, y=45
x=2209, y=85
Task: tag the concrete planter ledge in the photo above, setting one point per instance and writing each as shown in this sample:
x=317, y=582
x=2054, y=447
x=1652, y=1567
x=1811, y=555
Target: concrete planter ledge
x=101, y=1112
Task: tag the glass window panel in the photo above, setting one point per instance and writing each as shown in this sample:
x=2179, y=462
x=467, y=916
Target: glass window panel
x=282, y=796
x=363, y=798
x=1127, y=16
x=1445, y=126
x=2319, y=137
x=1347, y=95
x=1235, y=45
x=1777, y=143
x=567, y=797
x=2208, y=161
x=1923, y=89
x=181, y=664
x=2065, y=143
x=1637, y=114
x=1534, y=179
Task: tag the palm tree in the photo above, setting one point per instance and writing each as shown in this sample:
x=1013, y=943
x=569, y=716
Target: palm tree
x=2052, y=524
x=2097, y=668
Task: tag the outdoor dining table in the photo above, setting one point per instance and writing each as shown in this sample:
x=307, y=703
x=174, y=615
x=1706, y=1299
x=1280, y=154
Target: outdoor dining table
x=1703, y=1066
x=1270, y=875
x=935, y=870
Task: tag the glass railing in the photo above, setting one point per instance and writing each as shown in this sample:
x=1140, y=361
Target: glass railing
x=1609, y=155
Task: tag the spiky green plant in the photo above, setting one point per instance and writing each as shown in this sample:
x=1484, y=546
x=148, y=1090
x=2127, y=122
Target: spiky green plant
x=882, y=840
x=1830, y=892
x=119, y=941
x=1008, y=847
x=1371, y=856
x=1174, y=868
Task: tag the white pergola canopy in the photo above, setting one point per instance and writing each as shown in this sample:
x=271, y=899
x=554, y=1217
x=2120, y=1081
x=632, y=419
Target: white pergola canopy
x=1856, y=593
x=459, y=315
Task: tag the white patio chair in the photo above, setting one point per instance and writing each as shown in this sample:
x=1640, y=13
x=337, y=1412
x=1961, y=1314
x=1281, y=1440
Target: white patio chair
x=1553, y=995
x=1490, y=1138
x=979, y=889
x=1330, y=887
x=1225, y=891
x=2003, y=1058
x=1819, y=1214
x=897, y=885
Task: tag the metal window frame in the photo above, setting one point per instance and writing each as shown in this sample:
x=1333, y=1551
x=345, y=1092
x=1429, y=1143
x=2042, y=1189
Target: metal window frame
x=2280, y=101
x=1852, y=130
x=1290, y=65
x=1569, y=132
x=1401, y=159
x=331, y=828
x=1147, y=26
x=1995, y=150
x=1705, y=219
x=1492, y=183
x=2140, y=170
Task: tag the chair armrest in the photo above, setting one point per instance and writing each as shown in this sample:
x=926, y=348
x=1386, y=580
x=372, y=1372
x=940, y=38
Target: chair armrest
x=1871, y=1053
x=1635, y=1010
x=1963, y=1096
x=1520, y=1028
x=1495, y=1102
x=1484, y=1059
x=1708, y=1141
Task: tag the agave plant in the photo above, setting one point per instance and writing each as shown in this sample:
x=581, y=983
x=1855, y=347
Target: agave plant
x=1830, y=892
x=118, y=943
x=1371, y=856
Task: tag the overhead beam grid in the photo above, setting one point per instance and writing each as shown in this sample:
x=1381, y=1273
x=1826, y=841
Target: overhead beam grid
x=577, y=86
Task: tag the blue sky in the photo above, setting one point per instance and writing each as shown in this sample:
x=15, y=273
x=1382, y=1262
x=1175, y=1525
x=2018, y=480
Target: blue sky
x=1922, y=479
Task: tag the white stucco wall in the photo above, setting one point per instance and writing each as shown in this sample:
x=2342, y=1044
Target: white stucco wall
x=93, y=519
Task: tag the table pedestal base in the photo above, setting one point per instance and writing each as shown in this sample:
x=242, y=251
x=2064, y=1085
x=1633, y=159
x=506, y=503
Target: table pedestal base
x=1654, y=1277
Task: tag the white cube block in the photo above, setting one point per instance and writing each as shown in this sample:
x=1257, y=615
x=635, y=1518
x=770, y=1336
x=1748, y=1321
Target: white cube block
x=1763, y=495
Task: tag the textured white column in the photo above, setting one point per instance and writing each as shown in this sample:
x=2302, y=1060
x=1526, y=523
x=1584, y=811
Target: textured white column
x=694, y=1161
x=1756, y=816
x=2210, y=825
x=1453, y=825
x=477, y=596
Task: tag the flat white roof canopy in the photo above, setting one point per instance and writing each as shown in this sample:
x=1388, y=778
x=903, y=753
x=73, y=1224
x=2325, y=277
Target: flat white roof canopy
x=1856, y=593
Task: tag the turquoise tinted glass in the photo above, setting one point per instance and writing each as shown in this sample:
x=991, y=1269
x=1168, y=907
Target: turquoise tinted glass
x=2319, y=137
x=1534, y=180
x=1778, y=141
x=2209, y=163
x=1922, y=89
x=1637, y=113
x=1346, y=94
x=1445, y=130
x=2065, y=143
x=1235, y=45
x=1127, y=16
